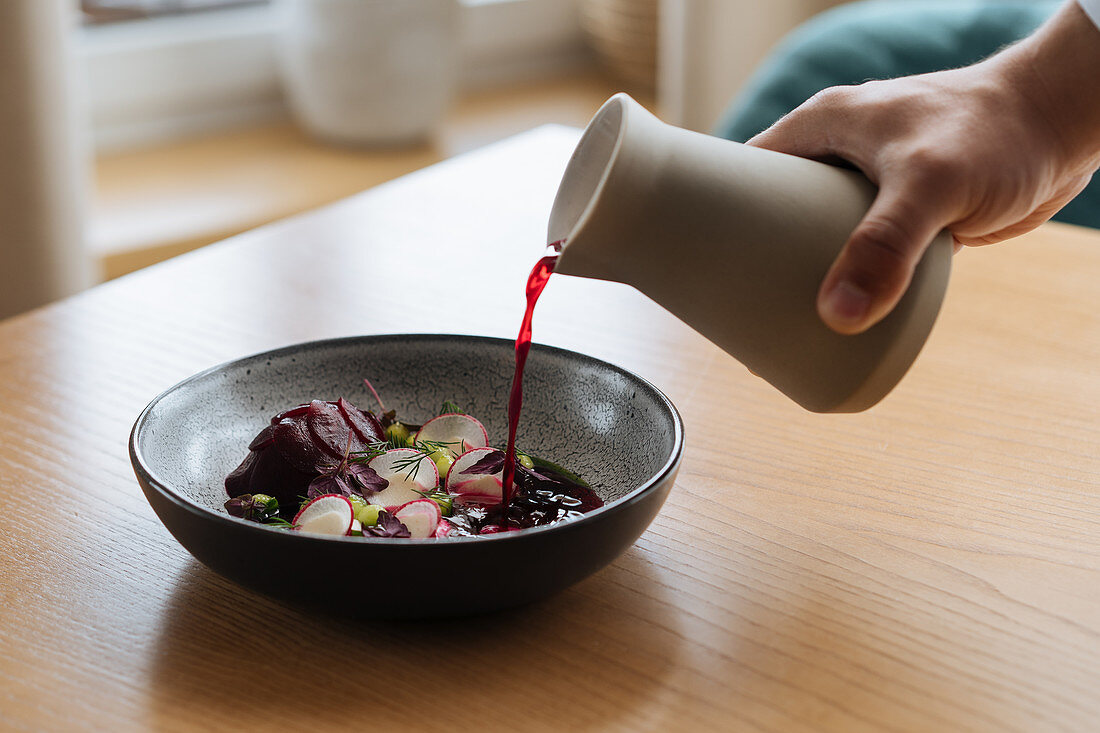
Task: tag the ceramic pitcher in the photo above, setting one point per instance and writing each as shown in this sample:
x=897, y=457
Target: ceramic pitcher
x=735, y=241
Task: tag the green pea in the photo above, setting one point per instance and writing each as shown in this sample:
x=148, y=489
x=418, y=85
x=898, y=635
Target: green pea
x=525, y=461
x=358, y=503
x=444, y=459
x=264, y=507
x=445, y=502
x=398, y=434
x=368, y=515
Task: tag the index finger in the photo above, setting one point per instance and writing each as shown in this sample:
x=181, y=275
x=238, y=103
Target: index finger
x=809, y=130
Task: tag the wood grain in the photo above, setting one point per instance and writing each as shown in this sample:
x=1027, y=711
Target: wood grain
x=932, y=564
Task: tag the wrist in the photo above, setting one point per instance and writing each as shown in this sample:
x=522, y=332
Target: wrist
x=1054, y=72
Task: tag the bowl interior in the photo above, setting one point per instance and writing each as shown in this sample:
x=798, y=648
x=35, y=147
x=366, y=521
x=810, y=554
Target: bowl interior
x=612, y=428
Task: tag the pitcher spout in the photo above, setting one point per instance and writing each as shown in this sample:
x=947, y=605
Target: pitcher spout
x=585, y=242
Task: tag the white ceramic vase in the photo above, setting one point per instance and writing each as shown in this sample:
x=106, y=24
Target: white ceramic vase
x=369, y=72
x=735, y=241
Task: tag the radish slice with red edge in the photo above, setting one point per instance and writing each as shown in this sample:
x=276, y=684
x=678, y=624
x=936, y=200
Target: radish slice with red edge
x=476, y=488
x=458, y=432
x=329, y=514
x=408, y=471
x=422, y=517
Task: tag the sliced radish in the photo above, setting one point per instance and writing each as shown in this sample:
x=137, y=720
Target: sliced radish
x=409, y=464
x=479, y=488
x=397, y=467
x=458, y=432
x=329, y=514
x=422, y=517
x=442, y=530
x=397, y=493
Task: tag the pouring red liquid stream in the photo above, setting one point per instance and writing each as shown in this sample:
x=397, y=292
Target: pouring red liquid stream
x=536, y=283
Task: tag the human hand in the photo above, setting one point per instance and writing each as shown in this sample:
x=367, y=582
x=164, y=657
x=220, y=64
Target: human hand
x=988, y=151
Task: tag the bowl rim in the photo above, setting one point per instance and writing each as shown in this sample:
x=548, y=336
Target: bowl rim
x=164, y=489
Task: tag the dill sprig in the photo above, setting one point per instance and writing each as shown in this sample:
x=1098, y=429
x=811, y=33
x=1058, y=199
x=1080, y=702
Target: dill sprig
x=431, y=446
x=450, y=408
x=373, y=450
x=424, y=449
x=410, y=465
x=440, y=497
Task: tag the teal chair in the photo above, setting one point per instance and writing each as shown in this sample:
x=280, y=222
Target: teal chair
x=881, y=39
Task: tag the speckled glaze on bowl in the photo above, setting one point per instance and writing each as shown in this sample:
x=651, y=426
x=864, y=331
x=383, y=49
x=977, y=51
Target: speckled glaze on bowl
x=610, y=426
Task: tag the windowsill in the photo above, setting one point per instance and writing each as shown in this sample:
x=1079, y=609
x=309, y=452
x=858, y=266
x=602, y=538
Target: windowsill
x=164, y=78
x=159, y=202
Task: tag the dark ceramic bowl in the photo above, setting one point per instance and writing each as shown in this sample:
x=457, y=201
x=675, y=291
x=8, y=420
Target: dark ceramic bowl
x=611, y=427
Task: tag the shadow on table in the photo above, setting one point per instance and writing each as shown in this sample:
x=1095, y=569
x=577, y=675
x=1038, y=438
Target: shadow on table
x=589, y=656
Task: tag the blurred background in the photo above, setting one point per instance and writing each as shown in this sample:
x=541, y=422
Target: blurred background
x=136, y=130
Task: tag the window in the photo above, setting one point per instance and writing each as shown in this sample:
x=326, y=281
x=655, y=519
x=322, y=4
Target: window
x=176, y=71
x=95, y=12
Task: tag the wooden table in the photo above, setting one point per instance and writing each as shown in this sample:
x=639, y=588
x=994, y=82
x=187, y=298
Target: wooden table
x=930, y=565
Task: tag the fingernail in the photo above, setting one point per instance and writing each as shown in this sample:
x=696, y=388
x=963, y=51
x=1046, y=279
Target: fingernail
x=846, y=304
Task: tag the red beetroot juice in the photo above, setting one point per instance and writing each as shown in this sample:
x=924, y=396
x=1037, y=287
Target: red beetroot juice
x=536, y=283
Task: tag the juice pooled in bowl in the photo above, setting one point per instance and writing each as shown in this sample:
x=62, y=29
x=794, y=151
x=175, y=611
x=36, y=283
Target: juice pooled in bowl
x=331, y=468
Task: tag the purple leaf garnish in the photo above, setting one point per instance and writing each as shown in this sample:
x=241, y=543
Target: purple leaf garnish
x=253, y=507
x=490, y=464
x=364, y=478
x=329, y=483
x=388, y=526
x=238, y=506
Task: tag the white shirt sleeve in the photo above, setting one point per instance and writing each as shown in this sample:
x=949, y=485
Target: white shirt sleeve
x=1092, y=9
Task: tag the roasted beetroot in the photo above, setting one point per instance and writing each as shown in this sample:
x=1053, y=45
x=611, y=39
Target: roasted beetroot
x=298, y=446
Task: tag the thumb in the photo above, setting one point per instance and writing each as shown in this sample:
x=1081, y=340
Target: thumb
x=874, y=268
